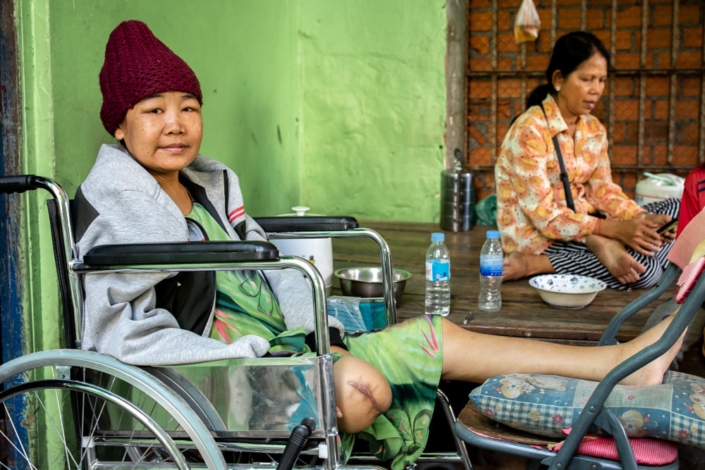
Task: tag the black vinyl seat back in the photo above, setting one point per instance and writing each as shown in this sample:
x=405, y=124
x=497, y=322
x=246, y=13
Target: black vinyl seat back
x=62, y=271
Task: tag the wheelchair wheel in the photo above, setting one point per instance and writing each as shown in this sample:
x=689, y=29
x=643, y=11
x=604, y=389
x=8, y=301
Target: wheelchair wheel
x=74, y=442
x=77, y=409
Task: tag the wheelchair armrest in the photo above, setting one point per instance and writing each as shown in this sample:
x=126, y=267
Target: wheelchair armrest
x=307, y=224
x=179, y=253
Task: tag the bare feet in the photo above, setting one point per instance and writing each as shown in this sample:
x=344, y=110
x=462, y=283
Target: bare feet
x=518, y=265
x=614, y=256
x=652, y=373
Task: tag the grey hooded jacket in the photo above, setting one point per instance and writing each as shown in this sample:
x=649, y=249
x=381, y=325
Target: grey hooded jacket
x=121, y=203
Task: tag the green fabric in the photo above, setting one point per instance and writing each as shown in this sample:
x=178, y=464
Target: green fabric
x=409, y=355
x=245, y=305
x=486, y=211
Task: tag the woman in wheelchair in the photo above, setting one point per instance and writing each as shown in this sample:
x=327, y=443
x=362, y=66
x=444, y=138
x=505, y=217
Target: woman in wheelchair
x=155, y=187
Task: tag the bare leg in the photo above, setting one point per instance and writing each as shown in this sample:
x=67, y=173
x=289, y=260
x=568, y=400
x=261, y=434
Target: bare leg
x=474, y=357
x=614, y=256
x=362, y=393
x=518, y=265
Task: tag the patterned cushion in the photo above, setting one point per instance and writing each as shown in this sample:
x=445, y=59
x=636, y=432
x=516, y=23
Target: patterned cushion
x=545, y=404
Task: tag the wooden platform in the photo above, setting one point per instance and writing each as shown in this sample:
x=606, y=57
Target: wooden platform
x=523, y=312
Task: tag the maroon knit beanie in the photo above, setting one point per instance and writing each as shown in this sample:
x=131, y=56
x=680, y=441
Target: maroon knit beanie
x=138, y=65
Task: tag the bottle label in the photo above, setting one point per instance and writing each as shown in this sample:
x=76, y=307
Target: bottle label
x=491, y=265
x=438, y=270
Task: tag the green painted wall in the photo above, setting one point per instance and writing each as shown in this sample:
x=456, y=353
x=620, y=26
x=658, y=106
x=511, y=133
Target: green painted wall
x=373, y=101
x=336, y=105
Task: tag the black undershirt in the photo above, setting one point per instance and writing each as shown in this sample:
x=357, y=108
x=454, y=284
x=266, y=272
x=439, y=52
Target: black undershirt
x=336, y=339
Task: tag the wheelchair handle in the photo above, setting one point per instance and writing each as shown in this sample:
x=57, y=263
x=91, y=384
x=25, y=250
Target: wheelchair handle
x=18, y=184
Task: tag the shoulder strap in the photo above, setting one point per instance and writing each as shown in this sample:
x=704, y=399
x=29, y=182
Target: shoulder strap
x=564, y=174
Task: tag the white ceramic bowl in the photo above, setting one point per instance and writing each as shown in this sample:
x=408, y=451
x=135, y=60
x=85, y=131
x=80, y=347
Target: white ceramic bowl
x=567, y=290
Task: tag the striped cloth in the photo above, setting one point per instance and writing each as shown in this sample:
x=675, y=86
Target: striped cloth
x=577, y=259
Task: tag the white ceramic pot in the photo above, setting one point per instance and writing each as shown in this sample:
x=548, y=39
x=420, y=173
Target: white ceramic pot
x=319, y=251
x=663, y=187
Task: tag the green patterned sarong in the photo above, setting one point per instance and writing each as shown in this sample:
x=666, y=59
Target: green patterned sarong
x=409, y=355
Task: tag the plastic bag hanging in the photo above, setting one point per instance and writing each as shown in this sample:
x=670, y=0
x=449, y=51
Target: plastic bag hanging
x=527, y=24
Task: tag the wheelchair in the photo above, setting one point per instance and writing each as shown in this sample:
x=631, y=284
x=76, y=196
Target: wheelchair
x=95, y=412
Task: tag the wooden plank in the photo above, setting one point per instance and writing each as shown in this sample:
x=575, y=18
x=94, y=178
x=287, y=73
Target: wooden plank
x=523, y=312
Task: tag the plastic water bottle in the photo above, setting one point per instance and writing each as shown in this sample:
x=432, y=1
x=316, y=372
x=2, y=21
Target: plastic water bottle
x=437, y=276
x=491, y=258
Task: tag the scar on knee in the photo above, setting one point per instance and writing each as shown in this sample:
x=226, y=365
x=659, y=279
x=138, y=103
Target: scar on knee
x=365, y=390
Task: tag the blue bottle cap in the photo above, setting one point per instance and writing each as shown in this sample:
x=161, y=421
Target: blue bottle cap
x=493, y=234
x=438, y=237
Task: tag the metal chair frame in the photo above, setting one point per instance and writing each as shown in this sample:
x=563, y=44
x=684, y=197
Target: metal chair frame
x=594, y=411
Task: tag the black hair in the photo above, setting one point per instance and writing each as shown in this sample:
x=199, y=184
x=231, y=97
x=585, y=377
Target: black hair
x=569, y=52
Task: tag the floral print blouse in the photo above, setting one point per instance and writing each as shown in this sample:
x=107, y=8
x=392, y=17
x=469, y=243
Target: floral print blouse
x=531, y=208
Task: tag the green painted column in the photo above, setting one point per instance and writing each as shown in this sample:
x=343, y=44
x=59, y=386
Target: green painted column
x=42, y=318
x=42, y=315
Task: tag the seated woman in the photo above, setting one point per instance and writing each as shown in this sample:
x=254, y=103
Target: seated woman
x=155, y=187
x=606, y=235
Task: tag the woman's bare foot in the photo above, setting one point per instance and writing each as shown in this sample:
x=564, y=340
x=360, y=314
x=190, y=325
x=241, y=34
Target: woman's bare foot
x=652, y=373
x=518, y=265
x=614, y=256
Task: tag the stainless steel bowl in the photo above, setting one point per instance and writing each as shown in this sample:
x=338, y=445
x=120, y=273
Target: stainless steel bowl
x=367, y=282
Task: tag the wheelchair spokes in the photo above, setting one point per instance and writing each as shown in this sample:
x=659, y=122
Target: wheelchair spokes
x=84, y=423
